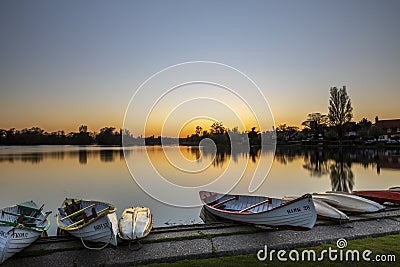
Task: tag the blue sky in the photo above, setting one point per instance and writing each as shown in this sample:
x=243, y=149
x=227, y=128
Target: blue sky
x=67, y=63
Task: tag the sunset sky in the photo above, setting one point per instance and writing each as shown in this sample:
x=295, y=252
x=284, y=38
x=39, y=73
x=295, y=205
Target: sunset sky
x=67, y=63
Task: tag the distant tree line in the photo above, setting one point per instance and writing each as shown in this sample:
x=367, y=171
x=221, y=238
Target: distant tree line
x=334, y=126
x=223, y=136
x=37, y=136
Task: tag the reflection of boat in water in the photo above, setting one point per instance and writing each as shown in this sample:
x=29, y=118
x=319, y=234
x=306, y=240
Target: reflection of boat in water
x=298, y=213
x=348, y=202
x=100, y=226
x=381, y=196
x=20, y=226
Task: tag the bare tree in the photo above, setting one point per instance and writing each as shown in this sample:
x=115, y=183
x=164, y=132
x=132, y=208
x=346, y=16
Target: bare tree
x=340, y=109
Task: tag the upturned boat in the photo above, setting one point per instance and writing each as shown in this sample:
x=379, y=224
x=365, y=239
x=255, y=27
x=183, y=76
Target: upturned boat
x=329, y=212
x=135, y=223
x=89, y=220
x=348, y=202
x=381, y=196
x=325, y=210
x=298, y=213
x=20, y=226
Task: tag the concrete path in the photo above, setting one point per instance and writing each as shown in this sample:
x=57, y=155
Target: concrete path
x=203, y=241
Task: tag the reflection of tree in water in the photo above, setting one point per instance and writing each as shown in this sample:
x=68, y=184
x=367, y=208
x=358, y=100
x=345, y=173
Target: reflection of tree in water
x=107, y=155
x=284, y=155
x=334, y=162
x=222, y=154
x=316, y=163
x=342, y=177
x=220, y=157
x=83, y=157
x=255, y=152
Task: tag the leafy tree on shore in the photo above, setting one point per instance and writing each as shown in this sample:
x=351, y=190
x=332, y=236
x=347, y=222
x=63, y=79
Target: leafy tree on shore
x=198, y=130
x=108, y=136
x=340, y=109
x=316, y=122
x=217, y=128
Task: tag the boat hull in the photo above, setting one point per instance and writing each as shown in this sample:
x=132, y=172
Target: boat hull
x=101, y=228
x=327, y=211
x=380, y=196
x=135, y=223
x=99, y=231
x=295, y=214
x=14, y=238
x=349, y=202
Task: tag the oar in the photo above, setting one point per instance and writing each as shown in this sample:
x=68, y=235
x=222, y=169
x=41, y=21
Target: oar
x=35, y=214
x=81, y=221
x=17, y=214
x=78, y=212
x=45, y=217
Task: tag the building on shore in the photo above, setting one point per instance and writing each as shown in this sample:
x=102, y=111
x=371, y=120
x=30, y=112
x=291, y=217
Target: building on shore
x=390, y=128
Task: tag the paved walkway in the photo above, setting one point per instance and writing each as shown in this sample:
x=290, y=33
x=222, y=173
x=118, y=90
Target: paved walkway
x=203, y=241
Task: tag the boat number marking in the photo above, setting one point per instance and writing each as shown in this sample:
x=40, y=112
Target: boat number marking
x=3, y=234
x=101, y=226
x=294, y=210
x=19, y=235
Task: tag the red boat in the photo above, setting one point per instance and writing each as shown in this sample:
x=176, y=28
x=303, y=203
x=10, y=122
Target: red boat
x=380, y=196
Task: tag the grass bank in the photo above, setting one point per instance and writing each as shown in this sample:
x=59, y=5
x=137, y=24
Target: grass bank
x=382, y=248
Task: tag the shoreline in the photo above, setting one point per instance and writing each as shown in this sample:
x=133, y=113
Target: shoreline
x=175, y=243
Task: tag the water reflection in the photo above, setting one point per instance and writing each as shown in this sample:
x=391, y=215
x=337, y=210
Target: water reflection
x=318, y=162
x=342, y=177
x=48, y=174
x=110, y=154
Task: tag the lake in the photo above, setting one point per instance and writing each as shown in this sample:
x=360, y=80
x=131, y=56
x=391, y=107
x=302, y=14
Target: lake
x=48, y=174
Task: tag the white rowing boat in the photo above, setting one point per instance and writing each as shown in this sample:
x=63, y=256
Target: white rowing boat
x=20, y=226
x=89, y=220
x=298, y=213
x=348, y=202
x=327, y=211
x=135, y=223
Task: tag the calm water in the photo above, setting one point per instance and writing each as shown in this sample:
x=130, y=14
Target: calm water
x=48, y=174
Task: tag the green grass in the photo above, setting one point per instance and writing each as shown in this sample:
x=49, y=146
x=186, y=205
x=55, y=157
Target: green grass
x=388, y=245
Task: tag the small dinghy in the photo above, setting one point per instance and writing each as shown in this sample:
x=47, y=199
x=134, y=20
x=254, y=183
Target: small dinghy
x=298, y=213
x=381, y=196
x=135, y=224
x=20, y=226
x=329, y=212
x=348, y=202
x=89, y=220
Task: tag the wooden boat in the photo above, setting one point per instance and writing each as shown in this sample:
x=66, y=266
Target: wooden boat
x=89, y=220
x=325, y=210
x=348, y=202
x=135, y=223
x=20, y=226
x=296, y=214
x=380, y=196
